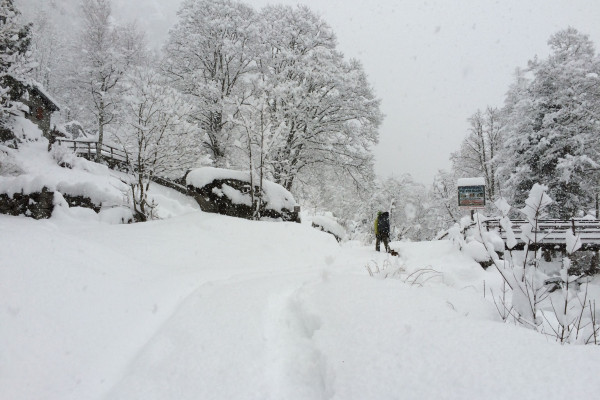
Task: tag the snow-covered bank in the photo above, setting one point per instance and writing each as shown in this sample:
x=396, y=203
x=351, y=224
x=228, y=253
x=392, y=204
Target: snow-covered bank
x=212, y=307
x=38, y=168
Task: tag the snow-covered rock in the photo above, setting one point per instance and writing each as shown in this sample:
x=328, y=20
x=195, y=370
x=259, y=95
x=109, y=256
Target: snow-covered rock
x=72, y=130
x=330, y=225
x=228, y=192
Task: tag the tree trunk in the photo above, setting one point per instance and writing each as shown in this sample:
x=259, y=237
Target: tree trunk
x=100, y=132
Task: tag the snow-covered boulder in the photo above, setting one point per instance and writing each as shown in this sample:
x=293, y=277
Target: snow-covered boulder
x=329, y=224
x=72, y=130
x=477, y=251
x=228, y=192
x=19, y=130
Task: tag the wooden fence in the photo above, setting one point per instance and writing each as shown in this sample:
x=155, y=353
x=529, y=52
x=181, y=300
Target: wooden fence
x=87, y=149
x=550, y=233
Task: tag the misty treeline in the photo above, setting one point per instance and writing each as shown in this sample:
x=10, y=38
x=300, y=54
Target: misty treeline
x=233, y=87
x=267, y=90
x=547, y=132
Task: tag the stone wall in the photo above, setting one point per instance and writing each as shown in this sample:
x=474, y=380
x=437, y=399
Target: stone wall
x=172, y=184
x=40, y=205
x=36, y=205
x=81, y=201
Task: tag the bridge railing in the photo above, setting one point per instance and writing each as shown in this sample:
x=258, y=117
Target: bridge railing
x=88, y=149
x=550, y=233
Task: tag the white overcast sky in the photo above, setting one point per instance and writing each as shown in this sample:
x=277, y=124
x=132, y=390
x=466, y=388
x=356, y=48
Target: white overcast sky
x=432, y=63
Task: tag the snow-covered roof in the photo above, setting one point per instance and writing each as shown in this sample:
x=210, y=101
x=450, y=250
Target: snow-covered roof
x=480, y=181
x=39, y=88
x=46, y=96
x=277, y=197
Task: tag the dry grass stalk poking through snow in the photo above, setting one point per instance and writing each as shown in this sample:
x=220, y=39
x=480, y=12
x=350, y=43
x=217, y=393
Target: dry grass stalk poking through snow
x=423, y=275
x=396, y=270
x=387, y=270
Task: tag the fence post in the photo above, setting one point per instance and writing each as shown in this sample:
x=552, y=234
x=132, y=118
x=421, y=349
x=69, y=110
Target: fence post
x=89, y=150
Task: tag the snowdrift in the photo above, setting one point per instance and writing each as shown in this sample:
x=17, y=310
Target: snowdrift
x=208, y=306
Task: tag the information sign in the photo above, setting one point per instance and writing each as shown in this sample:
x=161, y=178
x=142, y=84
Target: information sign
x=471, y=193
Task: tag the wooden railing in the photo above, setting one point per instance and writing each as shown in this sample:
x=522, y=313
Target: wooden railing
x=88, y=150
x=550, y=233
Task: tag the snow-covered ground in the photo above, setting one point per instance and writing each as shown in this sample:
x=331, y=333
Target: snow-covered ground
x=202, y=306
x=35, y=168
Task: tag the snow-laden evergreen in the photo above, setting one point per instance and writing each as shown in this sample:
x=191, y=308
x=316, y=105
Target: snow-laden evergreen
x=15, y=60
x=547, y=131
x=559, y=144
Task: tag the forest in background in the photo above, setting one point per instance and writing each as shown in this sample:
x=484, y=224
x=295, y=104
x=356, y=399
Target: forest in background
x=547, y=131
x=267, y=90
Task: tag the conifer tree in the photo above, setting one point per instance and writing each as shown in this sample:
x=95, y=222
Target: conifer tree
x=552, y=126
x=15, y=63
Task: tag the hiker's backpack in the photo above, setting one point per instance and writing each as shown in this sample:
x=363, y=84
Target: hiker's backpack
x=383, y=225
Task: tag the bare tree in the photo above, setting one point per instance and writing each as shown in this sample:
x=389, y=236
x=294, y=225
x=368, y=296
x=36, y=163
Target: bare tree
x=260, y=134
x=107, y=52
x=208, y=55
x=156, y=133
x=444, y=198
x=477, y=155
x=324, y=102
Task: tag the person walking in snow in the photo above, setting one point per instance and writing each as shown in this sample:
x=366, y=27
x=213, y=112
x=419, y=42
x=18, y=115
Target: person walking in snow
x=382, y=230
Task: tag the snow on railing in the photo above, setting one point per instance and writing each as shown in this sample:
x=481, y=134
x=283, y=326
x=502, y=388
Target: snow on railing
x=552, y=232
x=89, y=148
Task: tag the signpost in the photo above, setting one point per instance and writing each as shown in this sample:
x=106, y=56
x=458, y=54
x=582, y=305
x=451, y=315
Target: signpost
x=471, y=194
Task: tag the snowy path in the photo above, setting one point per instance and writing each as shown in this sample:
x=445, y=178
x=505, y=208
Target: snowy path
x=237, y=325
x=209, y=307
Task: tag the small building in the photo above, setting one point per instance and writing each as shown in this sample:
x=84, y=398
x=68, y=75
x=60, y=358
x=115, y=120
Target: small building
x=40, y=104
